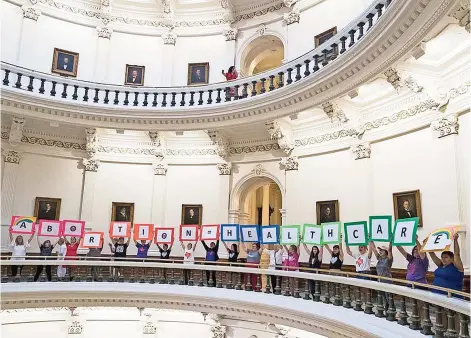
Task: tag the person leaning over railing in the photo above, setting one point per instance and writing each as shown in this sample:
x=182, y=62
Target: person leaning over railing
x=230, y=76
x=18, y=251
x=315, y=261
x=418, y=263
x=450, y=271
x=253, y=258
x=276, y=259
x=362, y=259
x=211, y=256
x=45, y=250
x=188, y=258
x=336, y=254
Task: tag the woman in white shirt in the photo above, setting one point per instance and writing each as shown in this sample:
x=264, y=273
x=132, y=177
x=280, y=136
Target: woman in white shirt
x=276, y=261
x=18, y=251
x=188, y=258
x=362, y=259
x=61, y=252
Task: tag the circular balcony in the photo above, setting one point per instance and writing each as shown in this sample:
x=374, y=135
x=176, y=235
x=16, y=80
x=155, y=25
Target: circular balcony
x=331, y=303
x=383, y=34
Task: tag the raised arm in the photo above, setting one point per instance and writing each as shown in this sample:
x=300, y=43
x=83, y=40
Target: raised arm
x=328, y=248
x=340, y=248
x=135, y=242
x=39, y=241
x=242, y=245
x=402, y=251
x=183, y=246
x=419, y=248
x=390, y=255
x=158, y=247
x=129, y=239
x=66, y=240
x=225, y=245
x=306, y=248
x=205, y=246
x=217, y=245
x=194, y=245
x=349, y=252
x=375, y=251
x=370, y=249
x=435, y=259
x=286, y=248
x=458, y=262
x=321, y=253
x=11, y=237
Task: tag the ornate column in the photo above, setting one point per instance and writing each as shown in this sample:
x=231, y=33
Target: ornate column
x=290, y=165
x=361, y=150
x=293, y=30
x=266, y=205
x=102, y=53
x=10, y=173
x=159, y=193
x=28, y=40
x=225, y=171
x=230, y=35
x=88, y=197
x=169, y=39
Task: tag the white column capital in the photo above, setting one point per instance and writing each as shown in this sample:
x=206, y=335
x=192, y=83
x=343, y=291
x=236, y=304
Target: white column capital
x=292, y=17
x=230, y=34
x=289, y=163
x=160, y=169
x=29, y=12
x=169, y=38
x=104, y=32
x=446, y=126
x=91, y=164
x=361, y=150
x=12, y=156
x=224, y=168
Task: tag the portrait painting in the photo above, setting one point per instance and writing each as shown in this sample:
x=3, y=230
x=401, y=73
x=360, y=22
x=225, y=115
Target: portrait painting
x=327, y=211
x=324, y=36
x=192, y=214
x=47, y=208
x=407, y=205
x=122, y=212
x=198, y=73
x=134, y=75
x=65, y=62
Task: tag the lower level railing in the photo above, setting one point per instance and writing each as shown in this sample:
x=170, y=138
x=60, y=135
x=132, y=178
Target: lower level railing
x=404, y=302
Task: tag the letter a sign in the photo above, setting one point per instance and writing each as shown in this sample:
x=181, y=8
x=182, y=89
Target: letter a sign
x=380, y=228
x=22, y=225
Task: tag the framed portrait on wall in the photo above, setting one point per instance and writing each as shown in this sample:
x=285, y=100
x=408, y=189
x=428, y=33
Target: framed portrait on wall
x=198, y=73
x=134, y=75
x=324, y=36
x=122, y=212
x=65, y=62
x=407, y=205
x=47, y=208
x=192, y=214
x=327, y=211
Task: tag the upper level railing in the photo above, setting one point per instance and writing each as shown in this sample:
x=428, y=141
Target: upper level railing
x=99, y=94
x=370, y=294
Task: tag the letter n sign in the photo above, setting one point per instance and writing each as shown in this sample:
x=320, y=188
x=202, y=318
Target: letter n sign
x=189, y=233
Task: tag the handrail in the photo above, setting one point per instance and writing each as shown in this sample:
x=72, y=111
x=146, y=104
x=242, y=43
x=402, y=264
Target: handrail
x=168, y=97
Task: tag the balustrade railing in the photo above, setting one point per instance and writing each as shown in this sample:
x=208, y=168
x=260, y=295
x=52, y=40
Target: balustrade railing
x=303, y=68
x=401, y=301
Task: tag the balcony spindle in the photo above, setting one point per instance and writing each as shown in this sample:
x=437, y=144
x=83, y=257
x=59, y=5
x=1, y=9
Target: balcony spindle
x=245, y=91
x=173, y=102
x=335, y=51
x=41, y=88
x=4, y=274
x=287, y=291
x=368, y=303
x=18, y=80
x=338, y=295
x=402, y=312
x=200, y=278
x=240, y=276
x=248, y=283
x=85, y=95
x=42, y=276
x=95, y=99
x=219, y=279
x=268, y=284
x=254, y=91
x=324, y=57
x=360, y=30
x=107, y=98
x=75, y=94
x=262, y=88
x=298, y=72
x=6, y=81
x=192, y=98
x=426, y=322
x=154, y=101
x=210, y=99
x=161, y=276
x=236, y=92
x=191, y=281
x=370, y=17
x=181, y=280
x=306, y=289
x=30, y=277
x=143, y=274
x=296, y=288
x=182, y=102
x=229, y=284
x=306, y=70
x=218, y=98
x=358, y=302
x=145, y=102
x=110, y=276
x=64, y=90
x=352, y=37
x=280, y=79
x=379, y=7
x=316, y=63
x=327, y=294
x=17, y=278
x=126, y=98
x=210, y=282
x=200, y=100
x=152, y=277
x=30, y=85
x=451, y=328
x=379, y=304
x=414, y=317
x=277, y=290
x=258, y=285
x=53, y=89
x=316, y=297
x=164, y=100
x=464, y=326
x=116, y=97
x=89, y=274
x=121, y=275
x=347, y=300
x=272, y=83
x=391, y=312
x=227, y=94
x=172, y=276
x=438, y=328
x=289, y=80
x=100, y=274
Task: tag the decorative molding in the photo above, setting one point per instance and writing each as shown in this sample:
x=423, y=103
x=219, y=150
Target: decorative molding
x=289, y=163
x=160, y=168
x=75, y=328
x=398, y=80
x=456, y=91
x=419, y=50
x=218, y=330
x=221, y=143
x=352, y=132
x=52, y=143
x=261, y=29
x=260, y=12
x=254, y=148
x=90, y=164
x=360, y=151
x=392, y=76
x=16, y=130
x=92, y=141
x=12, y=156
x=289, y=3
x=334, y=112
x=461, y=13
x=258, y=170
x=224, y=168
x=283, y=133
x=292, y=17
x=158, y=143
x=446, y=126
x=29, y=12
x=104, y=32
x=230, y=34
x=170, y=38
x=229, y=10
x=412, y=84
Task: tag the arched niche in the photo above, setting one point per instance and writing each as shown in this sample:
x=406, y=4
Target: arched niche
x=260, y=54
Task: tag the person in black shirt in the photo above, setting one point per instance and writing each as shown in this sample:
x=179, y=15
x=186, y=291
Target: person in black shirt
x=120, y=249
x=211, y=256
x=164, y=254
x=45, y=250
x=233, y=252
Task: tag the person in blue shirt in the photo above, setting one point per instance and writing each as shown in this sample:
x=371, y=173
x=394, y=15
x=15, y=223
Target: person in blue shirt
x=142, y=248
x=211, y=256
x=450, y=271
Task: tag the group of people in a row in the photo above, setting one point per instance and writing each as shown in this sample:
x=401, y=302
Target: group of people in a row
x=449, y=273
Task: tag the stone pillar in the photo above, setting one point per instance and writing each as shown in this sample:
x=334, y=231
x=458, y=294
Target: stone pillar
x=28, y=39
x=159, y=193
x=88, y=195
x=102, y=53
x=290, y=165
x=276, y=208
x=10, y=173
x=230, y=36
x=225, y=171
x=254, y=209
x=233, y=216
x=283, y=216
x=168, y=52
x=293, y=30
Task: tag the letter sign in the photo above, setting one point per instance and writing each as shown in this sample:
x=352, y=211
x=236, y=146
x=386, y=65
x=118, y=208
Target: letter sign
x=164, y=235
x=73, y=228
x=249, y=233
x=230, y=232
x=209, y=232
x=120, y=229
x=440, y=239
x=143, y=232
x=312, y=234
x=356, y=233
x=269, y=234
x=289, y=235
x=189, y=233
x=50, y=228
x=92, y=240
x=405, y=231
x=330, y=233
x=22, y=225
x=380, y=228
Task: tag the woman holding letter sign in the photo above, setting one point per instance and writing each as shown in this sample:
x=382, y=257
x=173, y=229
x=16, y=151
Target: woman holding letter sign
x=315, y=261
x=71, y=252
x=188, y=258
x=18, y=251
x=336, y=253
x=233, y=252
x=253, y=258
x=45, y=250
x=418, y=263
x=362, y=259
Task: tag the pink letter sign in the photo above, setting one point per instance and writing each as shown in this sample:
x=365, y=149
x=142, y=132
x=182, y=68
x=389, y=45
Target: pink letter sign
x=164, y=235
x=92, y=240
x=120, y=229
x=188, y=233
x=22, y=225
x=50, y=228
x=209, y=232
x=73, y=228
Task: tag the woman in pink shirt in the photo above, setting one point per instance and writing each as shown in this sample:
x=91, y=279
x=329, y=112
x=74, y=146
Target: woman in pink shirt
x=292, y=263
x=71, y=253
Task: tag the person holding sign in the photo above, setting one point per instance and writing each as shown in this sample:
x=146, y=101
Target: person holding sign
x=164, y=251
x=61, y=252
x=120, y=249
x=45, y=250
x=418, y=263
x=253, y=259
x=233, y=252
x=385, y=260
x=71, y=252
x=276, y=260
x=211, y=256
x=362, y=259
x=142, y=248
x=315, y=261
x=18, y=251
x=188, y=258
x=293, y=257
x=450, y=271
x=95, y=252
x=336, y=254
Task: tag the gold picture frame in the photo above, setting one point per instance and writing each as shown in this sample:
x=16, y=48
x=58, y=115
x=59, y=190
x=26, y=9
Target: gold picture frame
x=47, y=208
x=138, y=80
x=414, y=205
x=198, y=73
x=324, y=211
x=319, y=39
x=117, y=214
x=65, y=62
x=187, y=214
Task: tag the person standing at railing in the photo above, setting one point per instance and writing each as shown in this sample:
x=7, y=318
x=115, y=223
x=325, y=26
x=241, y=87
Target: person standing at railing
x=253, y=259
x=18, y=251
x=336, y=254
x=164, y=250
x=188, y=258
x=383, y=266
x=362, y=259
x=276, y=259
x=233, y=252
x=450, y=271
x=120, y=250
x=95, y=252
x=45, y=250
x=142, y=248
x=61, y=252
x=71, y=254
x=292, y=263
x=230, y=76
x=418, y=263
x=211, y=256
x=315, y=261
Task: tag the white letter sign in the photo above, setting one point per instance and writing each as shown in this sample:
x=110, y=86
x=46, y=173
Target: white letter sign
x=73, y=228
x=188, y=233
x=230, y=232
x=312, y=234
x=249, y=233
x=355, y=233
x=209, y=232
x=92, y=240
x=404, y=231
x=380, y=228
x=440, y=239
x=331, y=233
x=270, y=234
x=120, y=229
x=22, y=225
x=50, y=228
x=164, y=235
x=290, y=235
